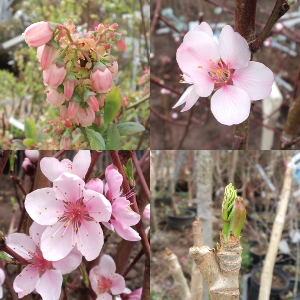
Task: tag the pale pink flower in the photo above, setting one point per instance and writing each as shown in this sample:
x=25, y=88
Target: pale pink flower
x=54, y=97
x=73, y=109
x=104, y=279
x=52, y=168
x=63, y=112
x=54, y=75
x=224, y=67
x=69, y=86
x=38, y=34
x=2, y=278
x=93, y=102
x=120, y=44
x=101, y=78
x=135, y=295
x=122, y=215
x=33, y=155
x=28, y=167
x=45, y=276
x=72, y=215
x=146, y=213
x=85, y=117
x=46, y=55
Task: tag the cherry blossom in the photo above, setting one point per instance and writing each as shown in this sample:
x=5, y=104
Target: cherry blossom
x=122, y=215
x=224, y=67
x=72, y=215
x=2, y=278
x=52, y=168
x=104, y=279
x=40, y=274
x=128, y=295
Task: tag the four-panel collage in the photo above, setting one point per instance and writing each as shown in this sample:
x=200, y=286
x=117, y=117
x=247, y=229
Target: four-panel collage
x=150, y=149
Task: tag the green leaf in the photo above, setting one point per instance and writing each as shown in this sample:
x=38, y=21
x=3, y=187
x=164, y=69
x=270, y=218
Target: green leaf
x=28, y=142
x=95, y=138
x=19, y=143
x=112, y=105
x=129, y=128
x=30, y=128
x=113, y=137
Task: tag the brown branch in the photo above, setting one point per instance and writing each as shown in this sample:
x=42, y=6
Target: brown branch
x=3, y=159
x=155, y=16
x=126, y=189
x=11, y=252
x=186, y=129
x=95, y=156
x=135, y=260
x=146, y=281
x=280, y=8
x=59, y=153
x=8, y=283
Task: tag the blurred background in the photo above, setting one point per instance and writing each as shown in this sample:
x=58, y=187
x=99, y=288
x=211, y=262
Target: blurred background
x=22, y=88
x=190, y=183
x=198, y=129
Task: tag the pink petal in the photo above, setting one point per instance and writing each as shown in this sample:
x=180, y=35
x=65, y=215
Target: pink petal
x=57, y=241
x=107, y=265
x=203, y=83
x=230, y=105
x=69, y=263
x=21, y=244
x=52, y=168
x=118, y=284
x=127, y=233
x=50, y=285
x=35, y=231
x=196, y=50
x=98, y=206
x=108, y=226
x=90, y=239
x=42, y=207
x=256, y=80
x=94, y=276
x=81, y=163
x=68, y=187
x=105, y=296
x=114, y=181
x=204, y=27
x=26, y=281
x=233, y=48
x=190, y=96
x=95, y=184
x=123, y=212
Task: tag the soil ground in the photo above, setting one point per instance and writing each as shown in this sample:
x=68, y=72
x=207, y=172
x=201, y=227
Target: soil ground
x=164, y=68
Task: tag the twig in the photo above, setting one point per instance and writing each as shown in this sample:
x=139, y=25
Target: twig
x=187, y=127
x=144, y=32
x=138, y=102
x=8, y=283
x=3, y=159
x=135, y=260
x=11, y=252
x=169, y=24
x=59, y=153
x=155, y=16
x=126, y=189
x=141, y=176
x=280, y=8
x=95, y=156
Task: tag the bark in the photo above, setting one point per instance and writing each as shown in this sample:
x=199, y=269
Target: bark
x=220, y=269
x=196, y=281
x=204, y=178
x=177, y=274
x=267, y=274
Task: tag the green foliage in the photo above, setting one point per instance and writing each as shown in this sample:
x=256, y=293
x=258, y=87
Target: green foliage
x=128, y=128
x=112, y=105
x=246, y=260
x=113, y=137
x=30, y=128
x=96, y=139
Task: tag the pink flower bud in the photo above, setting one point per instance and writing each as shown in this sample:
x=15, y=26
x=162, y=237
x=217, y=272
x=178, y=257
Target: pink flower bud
x=33, y=155
x=63, y=112
x=55, y=98
x=101, y=100
x=68, y=123
x=58, y=130
x=69, y=89
x=120, y=44
x=114, y=26
x=73, y=109
x=114, y=69
x=97, y=120
x=38, y=34
x=93, y=103
x=28, y=167
x=55, y=74
x=46, y=55
x=101, y=78
x=86, y=116
x=66, y=142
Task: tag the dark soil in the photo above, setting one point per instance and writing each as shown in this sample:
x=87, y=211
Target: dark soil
x=209, y=134
x=277, y=281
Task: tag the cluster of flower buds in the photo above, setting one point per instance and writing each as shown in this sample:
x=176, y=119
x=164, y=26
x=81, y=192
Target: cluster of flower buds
x=78, y=70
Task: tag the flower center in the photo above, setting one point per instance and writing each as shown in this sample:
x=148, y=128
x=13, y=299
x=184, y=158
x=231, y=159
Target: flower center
x=75, y=213
x=104, y=285
x=220, y=71
x=39, y=262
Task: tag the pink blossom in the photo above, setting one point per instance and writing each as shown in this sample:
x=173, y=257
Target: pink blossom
x=2, y=278
x=42, y=275
x=28, y=167
x=55, y=98
x=122, y=215
x=52, y=168
x=38, y=34
x=146, y=213
x=63, y=112
x=85, y=117
x=120, y=44
x=93, y=102
x=54, y=75
x=73, y=109
x=46, y=55
x=128, y=295
x=33, y=155
x=224, y=67
x=104, y=279
x=101, y=78
x=69, y=88
x=72, y=215
x=114, y=69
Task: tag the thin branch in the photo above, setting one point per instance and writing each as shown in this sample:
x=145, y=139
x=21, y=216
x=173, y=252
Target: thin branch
x=8, y=283
x=3, y=159
x=155, y=16
x=95, y=156
x=187, y=127
x=135, y=260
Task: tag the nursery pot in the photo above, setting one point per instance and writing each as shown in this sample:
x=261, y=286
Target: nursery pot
x=180, y=221
x=256, y=255
x=161, y=202
x=282, y=280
